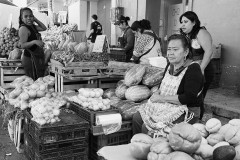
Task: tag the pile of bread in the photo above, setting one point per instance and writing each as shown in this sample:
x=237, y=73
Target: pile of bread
x=212, y=141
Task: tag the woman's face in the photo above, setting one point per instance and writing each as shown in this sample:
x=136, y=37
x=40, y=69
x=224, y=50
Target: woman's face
x=27, y=17
x=187, y=25
x=122, y=26
x=176, y=52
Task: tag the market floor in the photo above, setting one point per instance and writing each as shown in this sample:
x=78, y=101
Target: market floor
x=222, y=98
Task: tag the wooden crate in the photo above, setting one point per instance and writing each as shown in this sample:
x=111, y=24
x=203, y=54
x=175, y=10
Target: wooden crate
x=109, y=82
x=10, y=70
x=63, y=83
x=76, y=69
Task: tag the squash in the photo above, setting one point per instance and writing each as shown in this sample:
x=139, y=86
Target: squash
x=120, y=91
x=134, y=75
x=153, y=76
x=137, y=93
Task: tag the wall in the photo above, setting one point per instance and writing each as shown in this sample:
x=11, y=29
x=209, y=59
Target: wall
x=6, y=10
x=153, y=14
x=77, y=13
x=221, y=18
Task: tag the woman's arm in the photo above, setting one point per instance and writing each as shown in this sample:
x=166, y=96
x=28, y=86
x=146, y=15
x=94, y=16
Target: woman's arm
x=205, y=40
x=40, y=26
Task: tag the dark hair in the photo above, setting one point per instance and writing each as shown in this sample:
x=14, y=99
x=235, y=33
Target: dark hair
x=95, y=17
x=192, y=16
x=123, y=19
x=135, y=25
x=21, y=13
x=142, y=25
x=185, y=42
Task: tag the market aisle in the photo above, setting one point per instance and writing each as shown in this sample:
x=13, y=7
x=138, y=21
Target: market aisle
x=7, y=146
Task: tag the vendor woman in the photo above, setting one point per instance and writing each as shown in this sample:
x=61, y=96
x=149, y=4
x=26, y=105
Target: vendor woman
x=178, y=98
x=126, y=40
x=30, y=41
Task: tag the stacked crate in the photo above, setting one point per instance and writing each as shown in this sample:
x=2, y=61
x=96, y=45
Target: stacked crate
x=67, y=139
x=10, y=70
x=97, y=139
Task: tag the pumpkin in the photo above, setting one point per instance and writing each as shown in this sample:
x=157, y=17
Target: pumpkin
x=137, y=93
x=134, y=75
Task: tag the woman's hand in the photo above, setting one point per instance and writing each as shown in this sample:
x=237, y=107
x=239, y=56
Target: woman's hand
x=157, y=98
x=39, y=43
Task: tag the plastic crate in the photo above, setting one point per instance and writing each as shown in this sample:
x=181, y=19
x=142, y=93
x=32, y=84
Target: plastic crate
x=97, y=142
x=89, y=115
x=117, y=54
x=52, y=147
x=70, y=153
x=71, y=127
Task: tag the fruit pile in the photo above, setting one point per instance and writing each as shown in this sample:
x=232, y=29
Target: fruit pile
x=8, y=41
x=91, y=99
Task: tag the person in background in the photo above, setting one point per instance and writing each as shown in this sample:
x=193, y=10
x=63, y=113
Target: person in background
x=147, y=43
x=177, y=98
x=201, y=47
x=126, y=40
x=30, y=40
x=96, y=29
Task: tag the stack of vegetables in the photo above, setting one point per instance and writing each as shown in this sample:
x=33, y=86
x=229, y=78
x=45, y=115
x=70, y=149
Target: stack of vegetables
x=210, y=141
x=138, y=85
x=39, y=96
x=8, y=41
x=26, y=90
x=91, y=98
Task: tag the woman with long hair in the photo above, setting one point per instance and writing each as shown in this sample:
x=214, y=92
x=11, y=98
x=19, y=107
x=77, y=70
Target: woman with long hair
x=30, y=40
x=201, y=47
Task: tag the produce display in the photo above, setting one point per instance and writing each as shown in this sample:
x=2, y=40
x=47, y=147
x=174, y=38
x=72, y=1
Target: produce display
x=46, y=110
x=91, y=98
x=191, y=142
x=8, y=41
x=26, y=90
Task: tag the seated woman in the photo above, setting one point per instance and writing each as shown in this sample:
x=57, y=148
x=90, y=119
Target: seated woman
x=147, y=43
x=178, y=98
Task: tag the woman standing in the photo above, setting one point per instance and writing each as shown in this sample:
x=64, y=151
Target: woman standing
x=30, y=40
x=201, y=47
x=178, y=98
x=147, y=44
x=126, y=40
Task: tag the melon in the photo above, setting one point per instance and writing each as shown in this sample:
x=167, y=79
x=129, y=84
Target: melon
x=134, y=75
x=153, y=76
x=120, y=91
x=82, y=48
x=138, y=93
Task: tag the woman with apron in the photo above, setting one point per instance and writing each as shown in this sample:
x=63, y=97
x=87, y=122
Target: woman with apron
x=30, y=41
x=126, y=40
x=147, y=44
x=177, y=99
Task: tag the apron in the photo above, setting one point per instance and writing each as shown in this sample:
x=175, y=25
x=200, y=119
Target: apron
x=158, y=117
